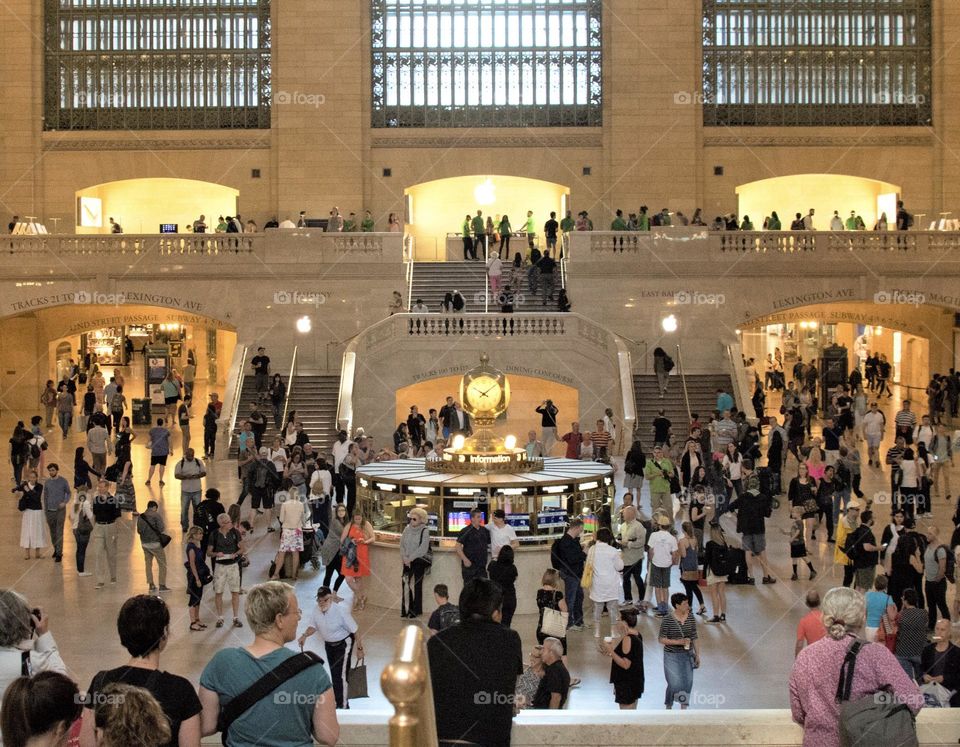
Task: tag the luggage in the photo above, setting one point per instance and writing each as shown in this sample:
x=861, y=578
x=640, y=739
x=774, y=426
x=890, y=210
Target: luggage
x=738, y=567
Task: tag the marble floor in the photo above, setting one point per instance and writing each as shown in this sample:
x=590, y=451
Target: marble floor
x=746, y=662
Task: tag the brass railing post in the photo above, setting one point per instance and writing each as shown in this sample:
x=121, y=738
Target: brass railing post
x=406, y=683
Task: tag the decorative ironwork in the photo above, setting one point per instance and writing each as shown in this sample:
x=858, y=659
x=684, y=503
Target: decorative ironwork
x=486, y=63
x=156, y=64
x=829, y=63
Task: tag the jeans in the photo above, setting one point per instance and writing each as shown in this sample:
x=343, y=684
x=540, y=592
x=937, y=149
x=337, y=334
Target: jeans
x=55, y=521
x=634, y=572
x=65, y=419
x=186, y=498
x=260, y=382
x=936, y=594
x=678, y=671
x=334, y=565
x=209, y=442
x=911, y=665
x=277, y=413
x=533, y=279
x=82, y=541
x=468, y=252
x=153, y=550
x=546, y=287
x=573, y=593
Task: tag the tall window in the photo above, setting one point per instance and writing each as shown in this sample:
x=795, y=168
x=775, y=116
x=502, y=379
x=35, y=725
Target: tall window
x=818, y=62
x=157, y=64
x=488, y=63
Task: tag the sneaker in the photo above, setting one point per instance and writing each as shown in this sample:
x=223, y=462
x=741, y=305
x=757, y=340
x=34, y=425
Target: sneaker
x=153, y=590
x=751, y=581
x=164, y=589
x=813, y=575
x=769, y=580
x=794, y=577
x=84, y=573
x=714, y=619
x=628, y=605
x=220, y=622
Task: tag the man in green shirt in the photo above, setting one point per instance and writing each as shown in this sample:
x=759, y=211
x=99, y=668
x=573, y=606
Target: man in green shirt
x=567, y=224
x=852, y=221
x=366, y=225
x=619, y=224
x=479, y=233
x=530, y=228
x=468, y=249
x=350, y=224
x=658, y=472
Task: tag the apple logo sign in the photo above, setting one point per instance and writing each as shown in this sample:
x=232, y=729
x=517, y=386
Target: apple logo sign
x=485, y=193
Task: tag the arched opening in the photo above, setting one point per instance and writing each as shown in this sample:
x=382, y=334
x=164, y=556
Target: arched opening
x=133, y=342
x=436, y=209
x=153, y=205
x=526, y=394
x=825, y=193
x=917, y=340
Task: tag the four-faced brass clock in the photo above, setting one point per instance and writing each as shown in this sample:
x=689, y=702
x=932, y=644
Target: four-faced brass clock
x=484, y=391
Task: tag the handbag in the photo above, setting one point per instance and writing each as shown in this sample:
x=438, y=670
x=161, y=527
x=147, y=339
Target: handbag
x=554, y=623
x=357, y=680
x=586, y=581
x=810, y=506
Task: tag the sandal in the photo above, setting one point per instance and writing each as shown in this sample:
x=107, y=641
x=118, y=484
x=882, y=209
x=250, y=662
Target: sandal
x=220, y=623
x=196, y=626
x=237, y=623
x=575, y=682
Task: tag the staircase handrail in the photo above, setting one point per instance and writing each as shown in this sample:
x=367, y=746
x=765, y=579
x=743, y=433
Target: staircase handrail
x=738, y=376
x=235, y=399
x=286, y=400
x=408, y=269
x=683, y=381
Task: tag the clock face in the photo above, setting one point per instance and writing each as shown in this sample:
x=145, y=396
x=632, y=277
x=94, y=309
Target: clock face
x=484, y=393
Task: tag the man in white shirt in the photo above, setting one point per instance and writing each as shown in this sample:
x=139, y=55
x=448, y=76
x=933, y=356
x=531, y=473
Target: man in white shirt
x=97, y=442
x=501, y=534
x=874, y=423
x=924, y=432
x=808, y=221
x=664, y=554
x=331, y=620
x=836, y=222
x=533, y=446
x=420, y=307
x=189, y=471
x=632, y=539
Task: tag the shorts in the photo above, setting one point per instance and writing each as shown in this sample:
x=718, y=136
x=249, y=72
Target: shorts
x=712, y=580
x=170, y=400
x=798, y=550
x=754, y=543
x=161, y=460
x=261, y=498
x=226, y=578
x=873, y=441
x=864, y=577
x=660, y=577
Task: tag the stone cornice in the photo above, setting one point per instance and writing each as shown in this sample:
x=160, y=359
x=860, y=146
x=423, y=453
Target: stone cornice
x=816, y=141
x=61, y=142
x=470, y=139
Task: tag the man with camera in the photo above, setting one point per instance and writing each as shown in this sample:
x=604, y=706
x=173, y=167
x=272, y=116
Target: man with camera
x=659, y=472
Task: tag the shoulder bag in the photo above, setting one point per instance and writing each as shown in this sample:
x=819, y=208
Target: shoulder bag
x=165, y=539
x=554, y=622
x=586, y=581
x=284, y=671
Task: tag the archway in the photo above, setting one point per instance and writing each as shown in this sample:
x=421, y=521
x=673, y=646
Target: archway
x=437, y=208
x=916, y=339
x=144, y=205
x=825, y=193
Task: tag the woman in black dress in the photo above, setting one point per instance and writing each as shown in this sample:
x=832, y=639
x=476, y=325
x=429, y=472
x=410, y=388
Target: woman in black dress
x=504, y=572
x=803, y=495
x=125, y=437
x=626, y=665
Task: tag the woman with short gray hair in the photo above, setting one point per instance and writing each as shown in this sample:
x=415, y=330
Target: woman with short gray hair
x=24, y=630
x=817, y=667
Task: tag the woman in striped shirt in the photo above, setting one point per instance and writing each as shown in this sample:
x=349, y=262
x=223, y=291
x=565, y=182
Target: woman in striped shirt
x=681, y=650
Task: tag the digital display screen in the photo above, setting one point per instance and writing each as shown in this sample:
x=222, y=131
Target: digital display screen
x=156, y=370
x=169, y=227
x=520, y=522
x=550, y=520
x=433, y=522
x=457, y=520
x=590, y=523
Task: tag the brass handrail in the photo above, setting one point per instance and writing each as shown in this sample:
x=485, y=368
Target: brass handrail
x=406, y=683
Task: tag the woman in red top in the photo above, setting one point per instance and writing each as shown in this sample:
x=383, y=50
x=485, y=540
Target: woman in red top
x=361, y=533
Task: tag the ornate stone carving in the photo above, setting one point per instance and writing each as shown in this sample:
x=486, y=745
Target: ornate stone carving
x=459, y=140
x=71, y=143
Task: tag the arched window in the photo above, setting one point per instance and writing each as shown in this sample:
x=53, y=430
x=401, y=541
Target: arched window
x=817, y=63
x=486, y=63
x=146, y=64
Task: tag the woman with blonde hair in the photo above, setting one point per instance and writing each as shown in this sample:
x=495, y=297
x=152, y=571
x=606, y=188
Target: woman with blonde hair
x=416, y=557
x=717, y=564
x=356, y=560
x=126, y=715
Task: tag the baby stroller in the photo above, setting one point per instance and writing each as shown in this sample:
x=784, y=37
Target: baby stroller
x=312, y=539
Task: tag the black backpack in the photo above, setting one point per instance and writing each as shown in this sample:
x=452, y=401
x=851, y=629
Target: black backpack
x=720, y=562
x=951, y=571
x=667, y=363
x=449, y=616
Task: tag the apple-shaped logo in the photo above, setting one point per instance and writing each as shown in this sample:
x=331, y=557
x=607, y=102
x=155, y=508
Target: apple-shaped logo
x=485, y=192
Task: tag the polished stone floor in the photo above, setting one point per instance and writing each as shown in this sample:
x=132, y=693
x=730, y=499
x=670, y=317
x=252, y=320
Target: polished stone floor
x=746, y=662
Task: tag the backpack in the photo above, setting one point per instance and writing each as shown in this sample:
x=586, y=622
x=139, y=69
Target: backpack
x=877, y=718
x=448, y=617
x=116, y=403
x=951, y=572
x=720, y=562
x=201, y=517
x=34, y=450
x=667, y=363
